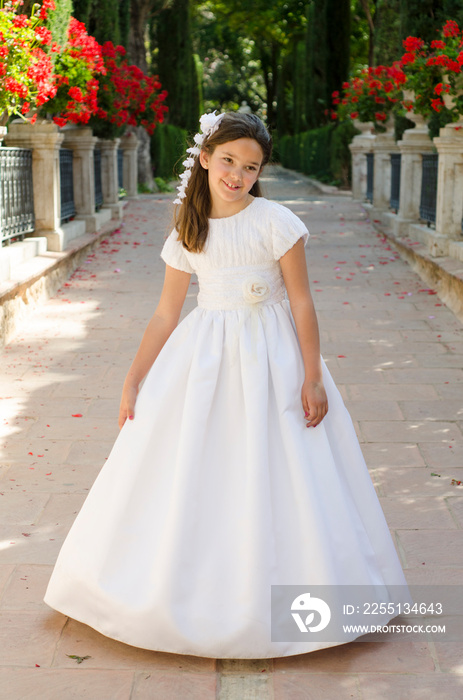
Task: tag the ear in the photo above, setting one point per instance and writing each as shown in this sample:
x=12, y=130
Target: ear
x=204, y=159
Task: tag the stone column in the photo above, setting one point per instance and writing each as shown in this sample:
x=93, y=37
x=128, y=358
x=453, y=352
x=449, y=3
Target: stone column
x=415, y=142
x=44, y=139
x=449, y=210
x=82, y=143
x=384, y=145
x=129, y=146
x=109, y=179
x=361, y=145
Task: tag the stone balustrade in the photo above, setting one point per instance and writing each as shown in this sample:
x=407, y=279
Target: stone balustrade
x=45, y=139
x=447, y=236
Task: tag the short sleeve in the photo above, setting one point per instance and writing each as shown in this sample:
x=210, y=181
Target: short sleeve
x=287, y=228
x=173, y=253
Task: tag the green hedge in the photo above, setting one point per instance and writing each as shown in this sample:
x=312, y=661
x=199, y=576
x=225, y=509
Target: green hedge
x=322, y=153
x=168, y=150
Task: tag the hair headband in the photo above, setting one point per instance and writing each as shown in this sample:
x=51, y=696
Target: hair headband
x=209, y=123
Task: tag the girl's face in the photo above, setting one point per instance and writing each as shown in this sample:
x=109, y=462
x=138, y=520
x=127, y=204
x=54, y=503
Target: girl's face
x=233, y=168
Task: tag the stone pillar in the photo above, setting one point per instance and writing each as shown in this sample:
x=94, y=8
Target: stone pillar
x=415, y=142
x=82, y=143
x=361, y=145
x=384, y=145
x=44, y=139
x=109, y=179
x=449, y=210
x=129, y=146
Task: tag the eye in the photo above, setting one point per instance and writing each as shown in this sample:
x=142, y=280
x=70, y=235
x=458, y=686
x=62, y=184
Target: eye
x=226, y=158
x=251, y=167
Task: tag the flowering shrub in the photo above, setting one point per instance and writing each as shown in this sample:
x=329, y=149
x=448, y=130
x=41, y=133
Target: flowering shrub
x=369, y=96
x=26, y=69
x=126, y=96
x=434, y=70
x=76, y=66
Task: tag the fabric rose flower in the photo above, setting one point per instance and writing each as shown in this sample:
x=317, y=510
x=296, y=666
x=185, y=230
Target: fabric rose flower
x=256, y=289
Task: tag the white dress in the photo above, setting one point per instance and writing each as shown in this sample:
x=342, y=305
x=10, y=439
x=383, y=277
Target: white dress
x=217, y=490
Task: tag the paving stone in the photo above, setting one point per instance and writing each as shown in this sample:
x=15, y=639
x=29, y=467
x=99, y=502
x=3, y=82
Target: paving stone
x=78, y=684
x=413, y=512
x=362, y=657
x=407, y=431
x=26, y=588
x=432, y=547
x=393, y=481
x=409, y=686
x=304, y=686
x=107, y=653
x=29, y=638
x=165, y=685
x=432, y=410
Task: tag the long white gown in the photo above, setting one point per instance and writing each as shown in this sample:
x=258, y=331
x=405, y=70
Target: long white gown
x=217, y=489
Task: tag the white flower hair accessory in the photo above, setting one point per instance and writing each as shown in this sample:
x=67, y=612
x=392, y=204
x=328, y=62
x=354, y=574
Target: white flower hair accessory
x=209, y=123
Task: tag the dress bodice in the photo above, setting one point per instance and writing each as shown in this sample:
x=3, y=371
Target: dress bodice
x=236, y=287
x=239, y=264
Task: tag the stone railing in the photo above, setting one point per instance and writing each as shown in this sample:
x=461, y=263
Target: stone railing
x=45, y=140
x=435, y=218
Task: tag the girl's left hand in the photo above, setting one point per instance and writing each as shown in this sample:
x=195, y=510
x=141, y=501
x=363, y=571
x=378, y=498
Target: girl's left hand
x=314, y=402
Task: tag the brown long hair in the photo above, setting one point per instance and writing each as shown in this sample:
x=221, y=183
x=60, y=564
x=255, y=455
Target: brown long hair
x=192, y=217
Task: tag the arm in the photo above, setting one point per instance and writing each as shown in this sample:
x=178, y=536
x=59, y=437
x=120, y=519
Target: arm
x=161, y=325
x=294, y=269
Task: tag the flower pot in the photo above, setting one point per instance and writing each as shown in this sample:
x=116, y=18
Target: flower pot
x=417, y=119
x=364, y=127
x=449, y=100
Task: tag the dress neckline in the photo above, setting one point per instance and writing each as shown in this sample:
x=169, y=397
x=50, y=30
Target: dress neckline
x=232, y=216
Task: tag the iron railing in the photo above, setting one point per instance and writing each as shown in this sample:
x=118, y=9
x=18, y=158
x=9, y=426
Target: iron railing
x=395, y=181
x=68, y=209
x=98, y=185
x=370, y=176
x=429, y=187
x=16, y=194
x=120, y=168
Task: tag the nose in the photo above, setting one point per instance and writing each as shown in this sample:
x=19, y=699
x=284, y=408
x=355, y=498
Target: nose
x=236, y=173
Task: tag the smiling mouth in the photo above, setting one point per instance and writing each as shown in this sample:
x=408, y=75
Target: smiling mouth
x=231, y=187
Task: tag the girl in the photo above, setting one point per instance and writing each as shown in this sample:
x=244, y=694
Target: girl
x=237, y=468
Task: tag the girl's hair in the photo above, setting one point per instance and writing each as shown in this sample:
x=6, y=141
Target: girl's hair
x=192, y=219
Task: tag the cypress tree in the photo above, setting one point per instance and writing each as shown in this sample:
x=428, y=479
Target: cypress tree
x=337, y=33
x=58, y=20
x=421, y=18
x=82, y=10
x=103, y=22
x=124, y=22
x=176, y=65
x=316, y=101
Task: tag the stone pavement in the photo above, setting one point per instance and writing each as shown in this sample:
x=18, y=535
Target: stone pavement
x=396, y=353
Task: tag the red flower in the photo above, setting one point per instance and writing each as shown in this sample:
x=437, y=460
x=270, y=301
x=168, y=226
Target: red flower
x=450, y=28
x=60, y=121
x=437, y=104
x=438, y=44
x=412, y=43
x=76, y=94
x=408, y=58
x=440, y=87
x=44, y=35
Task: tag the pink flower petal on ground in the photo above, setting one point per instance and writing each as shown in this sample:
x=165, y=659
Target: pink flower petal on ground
x=77, y=415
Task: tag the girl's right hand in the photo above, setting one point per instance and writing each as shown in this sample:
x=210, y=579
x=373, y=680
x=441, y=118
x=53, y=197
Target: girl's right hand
x=127, y=406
